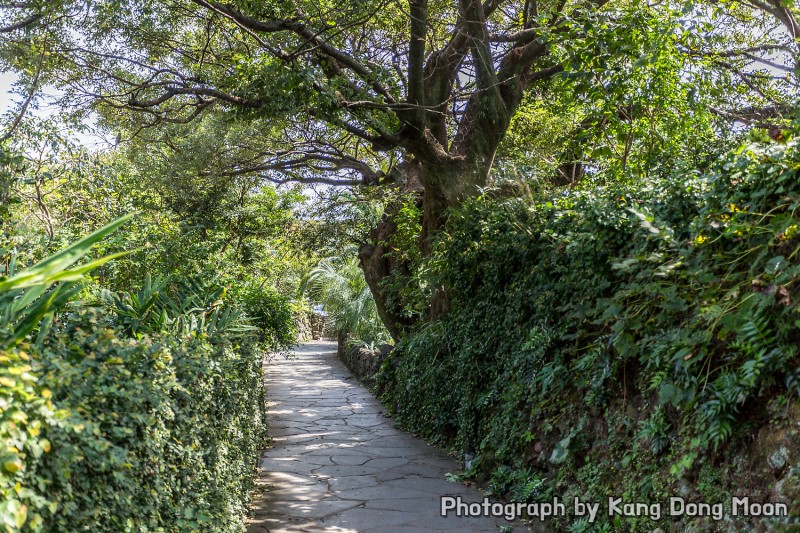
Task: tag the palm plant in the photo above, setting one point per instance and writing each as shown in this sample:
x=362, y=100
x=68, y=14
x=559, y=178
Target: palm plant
x=200, y=306
x=339, y=285
x=195, y=306
x=28, y=299
x=133, y=310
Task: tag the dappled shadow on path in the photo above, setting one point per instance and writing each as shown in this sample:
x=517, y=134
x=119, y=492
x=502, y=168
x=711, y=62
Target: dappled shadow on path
x=338, y=465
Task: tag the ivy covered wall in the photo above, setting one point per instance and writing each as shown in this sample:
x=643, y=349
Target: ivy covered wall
x=651, y=331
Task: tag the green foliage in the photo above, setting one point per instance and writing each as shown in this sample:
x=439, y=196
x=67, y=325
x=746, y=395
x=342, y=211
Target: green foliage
x=133, y=309
x=152, y=426
x=194, y=308
x=112, y=434
x=239, y=230
x=628, y=105
x=338, y=283
x=269, y=311
x=238, y=234
x=10, y=163
x=407, y=287
x=26, y=298
x=678, y=298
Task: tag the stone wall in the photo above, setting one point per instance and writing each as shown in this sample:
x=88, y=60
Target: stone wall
x=302, y=326
x=361, y=361
x=321, y=327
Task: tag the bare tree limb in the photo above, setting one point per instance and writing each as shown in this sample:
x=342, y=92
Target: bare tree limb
x=758, y=116
x=34, y=87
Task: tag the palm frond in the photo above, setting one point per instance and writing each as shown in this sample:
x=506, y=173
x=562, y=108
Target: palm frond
x=29, y=298
x=338, y=284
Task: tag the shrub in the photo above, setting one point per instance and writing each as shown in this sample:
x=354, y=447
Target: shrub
x=121, y=434
x=269, y=311
x=621, y=322
x=119, y=420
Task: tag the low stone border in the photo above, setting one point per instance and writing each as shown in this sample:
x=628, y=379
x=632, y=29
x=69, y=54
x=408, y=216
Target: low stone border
x=362, y=362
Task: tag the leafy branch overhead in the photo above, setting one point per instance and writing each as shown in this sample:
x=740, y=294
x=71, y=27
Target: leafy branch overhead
x=355, y=90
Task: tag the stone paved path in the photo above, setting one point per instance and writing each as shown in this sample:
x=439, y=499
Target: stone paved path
x=338, y=465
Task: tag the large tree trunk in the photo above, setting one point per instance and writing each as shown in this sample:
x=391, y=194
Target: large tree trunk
x=377, y=261
x=440, y=187
x=378, y=264
x=446, y=187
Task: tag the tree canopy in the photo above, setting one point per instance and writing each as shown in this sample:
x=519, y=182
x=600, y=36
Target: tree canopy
x=425, y=96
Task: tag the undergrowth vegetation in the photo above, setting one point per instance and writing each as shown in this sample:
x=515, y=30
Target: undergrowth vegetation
x=136, y=410
x=635, y=328
x=338, y=283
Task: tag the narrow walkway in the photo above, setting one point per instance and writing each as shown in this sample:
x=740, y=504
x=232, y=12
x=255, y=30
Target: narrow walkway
x=338, y=465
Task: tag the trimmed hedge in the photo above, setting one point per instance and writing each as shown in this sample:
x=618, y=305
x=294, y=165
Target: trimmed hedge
x=104, y=433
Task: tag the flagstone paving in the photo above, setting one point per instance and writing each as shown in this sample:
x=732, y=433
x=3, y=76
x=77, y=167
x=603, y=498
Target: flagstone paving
x=338, y=465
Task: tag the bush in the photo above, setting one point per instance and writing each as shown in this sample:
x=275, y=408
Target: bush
x=642, y=328
x=117, y=434
x=269, y=311
x=145, y=415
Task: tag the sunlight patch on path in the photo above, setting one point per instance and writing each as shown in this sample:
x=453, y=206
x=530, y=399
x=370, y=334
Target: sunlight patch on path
x=338, y=465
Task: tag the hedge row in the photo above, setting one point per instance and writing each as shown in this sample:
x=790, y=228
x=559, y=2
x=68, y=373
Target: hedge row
x=645, y=329
x=108, y=433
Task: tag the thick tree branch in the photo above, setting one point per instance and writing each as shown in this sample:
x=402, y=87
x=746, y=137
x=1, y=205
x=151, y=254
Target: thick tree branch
x=758, y=116
x=787, y=17
x=474, y=22
x=522, y=35
x=171, y=92
x=441, y=71
x=319, y=162
x=416, y=63
x=21, y=24
x=297, y=27
x=752, y=49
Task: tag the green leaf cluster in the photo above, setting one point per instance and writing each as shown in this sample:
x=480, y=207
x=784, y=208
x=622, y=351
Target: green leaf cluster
x=645, y=326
